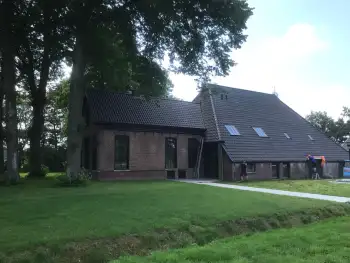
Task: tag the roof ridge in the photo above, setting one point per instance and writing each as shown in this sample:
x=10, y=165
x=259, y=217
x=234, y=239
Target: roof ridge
x=238, y=89
x=138, y=96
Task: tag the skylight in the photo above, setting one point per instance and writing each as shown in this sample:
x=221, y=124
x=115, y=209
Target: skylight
x=287, y=136
x=232, y=130
x=310, y=137
x=260, y=132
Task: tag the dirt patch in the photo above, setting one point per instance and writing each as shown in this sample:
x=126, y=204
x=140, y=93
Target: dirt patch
x=105, y=249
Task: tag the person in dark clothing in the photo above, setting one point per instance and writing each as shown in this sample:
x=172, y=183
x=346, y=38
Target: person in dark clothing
x=315, y=174
x=244, y=174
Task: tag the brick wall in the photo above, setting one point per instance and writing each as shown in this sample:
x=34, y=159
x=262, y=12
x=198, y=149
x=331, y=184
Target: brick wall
x=147, y=153
x=299, y=170
x=228, y=168
x=331, y=170
x=263, y=172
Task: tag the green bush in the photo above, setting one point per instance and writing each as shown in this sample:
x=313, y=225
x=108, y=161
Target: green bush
x=80, y=179
x=44, y=170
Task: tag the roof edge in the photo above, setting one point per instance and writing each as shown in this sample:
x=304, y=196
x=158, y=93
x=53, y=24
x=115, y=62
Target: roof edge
x=314, y=127
x=214, y=114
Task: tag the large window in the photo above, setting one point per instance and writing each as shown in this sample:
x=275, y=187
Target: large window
x=251, y=168
x=121, y=152
x=193, y=146
x=170, y=153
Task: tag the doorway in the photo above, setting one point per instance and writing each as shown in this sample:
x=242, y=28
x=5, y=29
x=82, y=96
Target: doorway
x=275, y=170
x=210, y=158
x=319, y=168
x=286, y=170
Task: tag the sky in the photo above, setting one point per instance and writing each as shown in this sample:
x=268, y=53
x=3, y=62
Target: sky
x=300, y=48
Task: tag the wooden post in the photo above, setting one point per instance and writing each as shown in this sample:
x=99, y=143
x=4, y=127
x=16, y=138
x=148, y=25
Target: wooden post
x=220, y=163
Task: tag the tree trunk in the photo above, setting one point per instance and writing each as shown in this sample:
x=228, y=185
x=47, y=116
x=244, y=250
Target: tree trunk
x=11, y=112
x=35, y=134
x=75, y=105
x=2, y=160
x=38, y=95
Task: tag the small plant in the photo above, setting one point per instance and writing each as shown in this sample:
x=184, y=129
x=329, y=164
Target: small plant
x=75, y=179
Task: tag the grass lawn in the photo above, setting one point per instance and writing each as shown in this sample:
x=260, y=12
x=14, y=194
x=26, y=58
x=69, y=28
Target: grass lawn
x=35, y=212
x=328, y=241
x=307, y=186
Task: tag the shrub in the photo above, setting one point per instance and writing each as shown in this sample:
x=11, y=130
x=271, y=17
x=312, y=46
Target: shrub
x=80, y=179
x=44, y=170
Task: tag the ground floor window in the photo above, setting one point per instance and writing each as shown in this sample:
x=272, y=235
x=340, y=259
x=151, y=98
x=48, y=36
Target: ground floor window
x=121, y=152
x=193, y=146
x=275, y=170
x=251, y=168
x=286, y=170
x=170, y=153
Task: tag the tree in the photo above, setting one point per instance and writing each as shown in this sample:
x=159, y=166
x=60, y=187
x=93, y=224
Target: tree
x=196, y=35
x=321, y=120
x=8, y=52
x=43, y=43
x=2, y=137
x=24, y=117
x=337, y=130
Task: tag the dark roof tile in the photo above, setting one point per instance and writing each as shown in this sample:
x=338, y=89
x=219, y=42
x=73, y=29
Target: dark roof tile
x=117, y=108
x=246, y=109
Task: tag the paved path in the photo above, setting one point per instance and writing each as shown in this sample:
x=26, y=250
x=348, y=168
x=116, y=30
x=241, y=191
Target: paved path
x=273, y=191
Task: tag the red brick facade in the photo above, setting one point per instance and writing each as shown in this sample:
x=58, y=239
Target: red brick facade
x=146, y=155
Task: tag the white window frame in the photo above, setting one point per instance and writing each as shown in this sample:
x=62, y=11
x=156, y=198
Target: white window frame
x=287, y=135
x=234, y=129
x=260, y=132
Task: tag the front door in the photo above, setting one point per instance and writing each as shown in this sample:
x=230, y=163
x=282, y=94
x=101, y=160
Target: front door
x=275, y=170
x=210, y=158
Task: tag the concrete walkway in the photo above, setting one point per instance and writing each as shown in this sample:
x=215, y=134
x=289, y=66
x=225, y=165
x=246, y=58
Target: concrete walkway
x=272, y=191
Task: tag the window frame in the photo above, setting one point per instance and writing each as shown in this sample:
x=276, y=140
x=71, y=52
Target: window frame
x=263, y=134
x=253, y=168
x=287, y=136
x=118, y=165
x=310, y=137
x=234, y=129
x=166, y=153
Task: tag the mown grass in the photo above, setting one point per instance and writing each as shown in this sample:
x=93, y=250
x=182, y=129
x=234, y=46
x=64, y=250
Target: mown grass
x=35, y=212
x=323, y=242
x=307, y=186
x=49, y=175
x=43, y=223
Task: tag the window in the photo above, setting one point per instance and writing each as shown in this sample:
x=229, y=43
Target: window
x=310, y=137
x=251, y=168
x=170, y=153
x=260, y=132
x=232, y=130
x=192, y=151
x=121, y=152
x=287, y=136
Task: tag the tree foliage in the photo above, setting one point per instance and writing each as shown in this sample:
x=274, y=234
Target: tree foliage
x=339, y=129
x=196, y=35
x=110, y=44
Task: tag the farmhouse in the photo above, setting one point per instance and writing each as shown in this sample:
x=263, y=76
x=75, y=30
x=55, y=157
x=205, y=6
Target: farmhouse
x=132, y=137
